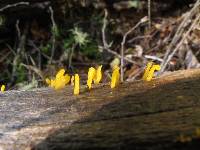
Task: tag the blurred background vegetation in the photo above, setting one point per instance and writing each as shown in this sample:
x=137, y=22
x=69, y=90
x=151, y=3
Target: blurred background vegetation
x=37, y=37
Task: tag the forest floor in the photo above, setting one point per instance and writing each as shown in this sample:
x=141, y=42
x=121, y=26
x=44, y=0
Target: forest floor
x=36, y=44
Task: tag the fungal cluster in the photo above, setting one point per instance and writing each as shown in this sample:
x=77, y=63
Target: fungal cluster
x=94, y=77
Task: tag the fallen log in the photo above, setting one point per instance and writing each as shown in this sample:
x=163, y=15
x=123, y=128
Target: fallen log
x=135, y=115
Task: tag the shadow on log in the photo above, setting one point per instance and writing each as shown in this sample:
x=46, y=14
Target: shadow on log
x=137, y=115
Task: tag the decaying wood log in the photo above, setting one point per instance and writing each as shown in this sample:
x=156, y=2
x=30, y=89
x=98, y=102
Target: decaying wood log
x=136, y=115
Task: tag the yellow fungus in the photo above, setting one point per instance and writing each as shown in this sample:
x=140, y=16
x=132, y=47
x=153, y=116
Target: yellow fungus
x=72, y=80
x=52, y=84
x=67, y=79
x=76, y=84
x=114, y=67
x=147, y=69
x=60, y=81
x=91, y=76
x=98, y=75
x=48, y=81
x=3, y=87
x=60, y=73
x=115, y=77
x=115, y=62
x=151, y=72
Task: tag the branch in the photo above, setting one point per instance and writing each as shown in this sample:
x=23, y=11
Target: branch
x=178, y=34
x=119, y=56
x=153, y=58
x=54, y=27
x=149, y=13
x=106, y=46
x=18, y=29
x=180, y=43
x=124, y=41
x=13, y=5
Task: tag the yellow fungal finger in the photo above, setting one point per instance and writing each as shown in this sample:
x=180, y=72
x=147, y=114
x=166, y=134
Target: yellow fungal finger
x=76, y=84
x=3, y=87
x=151, y=72
x=91, y=75
x=48, y=81
x=115, y=77
x=72, y=80
x=60, y=73
x=147, y=69
x=52, y=83
x=98, y=75
x=67, y=79
x=60, y=80
x=60, y=83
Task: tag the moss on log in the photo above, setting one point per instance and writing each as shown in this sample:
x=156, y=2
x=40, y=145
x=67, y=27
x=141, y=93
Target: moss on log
x=136, y=115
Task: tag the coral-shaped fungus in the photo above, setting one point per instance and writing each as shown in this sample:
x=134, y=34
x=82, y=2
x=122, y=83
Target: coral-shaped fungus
x=76, y=84
x=94, y=75
x=91, y=76
x=3, y=87
x=98, y=75
x=149, y=71
x=115, y=77
x=60, y=81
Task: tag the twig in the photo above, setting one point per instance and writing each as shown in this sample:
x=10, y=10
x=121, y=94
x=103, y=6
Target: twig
x=71, y=55
x=20, y=49
x=124, y=41
x=153, y=58
x=39, y=59
x=139, y=37
x=34, y=69
x=13, y=5
x=18, y=29
x=149, y=13
x=53, y=34
x=179, y=34
x=4, y=56
x=106, y=46
x=180, y=43
x=31, y=43
x=119, y=56
x=11, y=49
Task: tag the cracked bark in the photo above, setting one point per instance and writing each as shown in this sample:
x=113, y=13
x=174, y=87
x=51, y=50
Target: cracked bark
x=137, y=115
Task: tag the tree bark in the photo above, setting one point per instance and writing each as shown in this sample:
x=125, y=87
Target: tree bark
x=136, y=115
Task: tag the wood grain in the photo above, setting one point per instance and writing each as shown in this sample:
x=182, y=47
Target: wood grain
x=135, y=115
